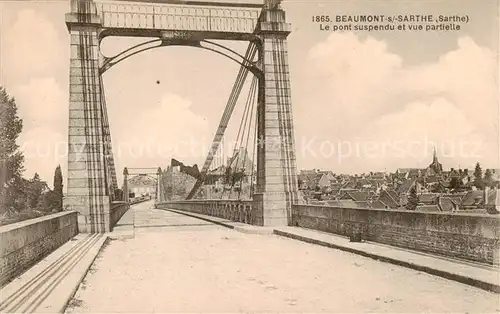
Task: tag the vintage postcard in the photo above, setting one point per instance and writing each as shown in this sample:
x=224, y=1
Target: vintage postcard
x=249, y=156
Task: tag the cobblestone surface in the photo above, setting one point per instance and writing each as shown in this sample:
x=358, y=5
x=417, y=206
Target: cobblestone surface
x=180, y=264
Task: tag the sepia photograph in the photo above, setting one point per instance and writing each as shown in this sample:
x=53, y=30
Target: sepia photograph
x=249, y=156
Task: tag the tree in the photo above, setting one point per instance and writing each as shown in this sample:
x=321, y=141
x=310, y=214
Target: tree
x=412, y=199
x=488, y=178
x=119, y=194
x=456, y=183
x=11, y=159
x=56, y=200
x=34, y=190
x=478, y=177
x=48, y=201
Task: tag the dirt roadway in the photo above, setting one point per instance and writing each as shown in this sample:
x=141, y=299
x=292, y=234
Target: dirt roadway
x=180, y=264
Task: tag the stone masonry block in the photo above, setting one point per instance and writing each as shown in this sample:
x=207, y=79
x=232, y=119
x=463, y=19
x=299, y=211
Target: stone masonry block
x=269, y=124
x=78, y=183
x=83, y=30
x=78, y=140
x=274, y=108
x=91, y=92
x=278, y=99
x=275, y=56
x=78, y=39
x=271, y=78
x=275, y=28
x=76, y=166
x=274, y=188
x=76, y=79
x=77, y=131
x=78, y=147
x=80, y=88
x=77, y=158
x=271, y=67
x=77, y=123
x=77, y=110
x=274, y=179
x=75, y=199
x=77, y=191
x=79, y=71
x=94, y=97
x=279, y=92
x=84, y=228
x=276, y=171
x=276, y=195
x=90, y=54
x=82, y=174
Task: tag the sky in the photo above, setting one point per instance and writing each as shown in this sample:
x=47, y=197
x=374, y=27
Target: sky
x=362, y=101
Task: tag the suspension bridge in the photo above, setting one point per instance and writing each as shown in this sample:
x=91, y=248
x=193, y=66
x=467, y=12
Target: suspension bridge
x=228, y=237
x=266, y=129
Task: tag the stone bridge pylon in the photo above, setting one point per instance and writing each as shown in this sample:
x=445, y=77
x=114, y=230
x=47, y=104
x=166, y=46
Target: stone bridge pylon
x=91, y=171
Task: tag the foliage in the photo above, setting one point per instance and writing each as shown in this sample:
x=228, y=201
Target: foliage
x=119, y=195
x=49, y=202
x=478, y=177
x=412, y=199
x=456, y=183
x=34, y=190
x=57, y=197
x=488, y=178
x=11, y=159
x=21, y=199
x=17, y=217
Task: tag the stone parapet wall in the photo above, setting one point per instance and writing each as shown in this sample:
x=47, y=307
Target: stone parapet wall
x=25, y=243
x=117, y=211
x=237, y=211
x=474, y=237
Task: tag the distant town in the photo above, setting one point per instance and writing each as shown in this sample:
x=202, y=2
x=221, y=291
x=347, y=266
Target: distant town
x=431, y=189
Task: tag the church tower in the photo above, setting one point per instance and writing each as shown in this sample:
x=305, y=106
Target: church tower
x=436, y=165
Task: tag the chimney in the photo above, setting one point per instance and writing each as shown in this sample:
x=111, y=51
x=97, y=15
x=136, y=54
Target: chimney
x=486, y=192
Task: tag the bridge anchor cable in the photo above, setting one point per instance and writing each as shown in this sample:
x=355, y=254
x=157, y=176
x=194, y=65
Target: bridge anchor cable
x=228, y=111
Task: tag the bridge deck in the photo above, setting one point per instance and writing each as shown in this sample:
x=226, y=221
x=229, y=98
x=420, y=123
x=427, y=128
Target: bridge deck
x=177, y=263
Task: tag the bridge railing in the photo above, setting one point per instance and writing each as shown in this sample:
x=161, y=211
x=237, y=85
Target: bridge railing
x=117, y=210
x=139, y=199
x=234, y=210
x=468, y=236
x=177, y=17
x=25, y=243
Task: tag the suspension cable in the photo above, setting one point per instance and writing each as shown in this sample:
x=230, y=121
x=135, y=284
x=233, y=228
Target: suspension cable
x=254, y=96
x=107, y=143
x=255, y=142
x=235, y=92
x=249, y=120
x=238, y=144
x=243, y=133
